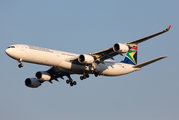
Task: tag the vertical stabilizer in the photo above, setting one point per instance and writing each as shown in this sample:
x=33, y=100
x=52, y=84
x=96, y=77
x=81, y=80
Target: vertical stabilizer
x=131, y=56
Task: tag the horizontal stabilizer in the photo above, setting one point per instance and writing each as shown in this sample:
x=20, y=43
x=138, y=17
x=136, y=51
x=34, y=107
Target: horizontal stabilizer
x=148, y=62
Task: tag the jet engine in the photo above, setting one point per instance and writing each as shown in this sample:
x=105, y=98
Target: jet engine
x=119, y=47
x=85, y=58
x=32, y=83
x=43, y=76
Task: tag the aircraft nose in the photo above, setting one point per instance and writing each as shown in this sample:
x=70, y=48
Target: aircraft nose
x=7, y=51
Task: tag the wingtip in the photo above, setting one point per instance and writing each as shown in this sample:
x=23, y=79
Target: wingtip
x=163, y=57
x=168, y=28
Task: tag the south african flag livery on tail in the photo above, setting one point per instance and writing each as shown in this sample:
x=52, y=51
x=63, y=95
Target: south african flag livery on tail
x=131, y=56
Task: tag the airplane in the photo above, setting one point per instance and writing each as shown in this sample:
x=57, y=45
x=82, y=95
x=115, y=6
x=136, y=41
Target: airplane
x=65, y=63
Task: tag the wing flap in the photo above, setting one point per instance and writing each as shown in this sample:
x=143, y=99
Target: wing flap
x=148, y=62
x=102, y=52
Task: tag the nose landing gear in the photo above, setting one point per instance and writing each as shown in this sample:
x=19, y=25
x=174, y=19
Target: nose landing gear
x=20, y=65
x=19, y=61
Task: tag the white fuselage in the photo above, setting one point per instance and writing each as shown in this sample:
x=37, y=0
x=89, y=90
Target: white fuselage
x=61, y=60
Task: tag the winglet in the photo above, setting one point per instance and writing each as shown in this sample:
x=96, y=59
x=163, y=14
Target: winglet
x=168, y=28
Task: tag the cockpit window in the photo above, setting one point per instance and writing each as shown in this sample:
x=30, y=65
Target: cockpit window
x=11, y=47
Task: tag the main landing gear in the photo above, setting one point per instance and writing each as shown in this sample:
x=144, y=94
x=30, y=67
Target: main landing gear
x=84, y=76
x=70, y=81
x=96, y=73
x=20, y=65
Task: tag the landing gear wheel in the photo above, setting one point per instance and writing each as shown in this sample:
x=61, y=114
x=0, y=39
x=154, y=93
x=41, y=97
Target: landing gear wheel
x=71, y=84
x=71, y=80
x=81, y=77
x=87, y=76
x=84, y=76
x=74, y=83
x=67, y=81
x=96, y=74
x=20, y=65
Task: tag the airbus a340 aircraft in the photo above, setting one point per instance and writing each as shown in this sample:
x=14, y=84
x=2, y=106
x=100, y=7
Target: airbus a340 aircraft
x=65, y=63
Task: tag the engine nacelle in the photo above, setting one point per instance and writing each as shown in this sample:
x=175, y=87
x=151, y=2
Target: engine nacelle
x=32, y=83
x=119, y=47
x=85, y=58
x=43, y=76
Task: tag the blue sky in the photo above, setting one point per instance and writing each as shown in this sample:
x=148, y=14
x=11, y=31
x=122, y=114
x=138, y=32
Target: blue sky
x=82, y=26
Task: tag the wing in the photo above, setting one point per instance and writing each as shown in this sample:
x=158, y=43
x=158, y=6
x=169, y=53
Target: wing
x=147, y=37
x=110, y=53
x=55, y=73
x=102, y=55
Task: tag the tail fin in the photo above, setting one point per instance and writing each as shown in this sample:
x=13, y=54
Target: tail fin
x=131, y=56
